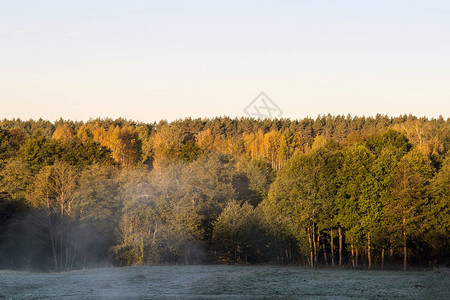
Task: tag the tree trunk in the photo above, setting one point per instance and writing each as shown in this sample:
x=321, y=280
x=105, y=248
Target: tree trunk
x=382, y=259
x=391, y=252
x=67, y=257
x=74, y=253
x=340, y=246
x=155, y=231
x=368, y=250
x=52, y=240
x=332, y=247
x=405, y=259
x=67, y=247
x=356, y=256
x=324, y=251
x=318, y=245
x=61, y=250
x=290, y=253
x=353, y=254
x=314, y=243
x=311, y=262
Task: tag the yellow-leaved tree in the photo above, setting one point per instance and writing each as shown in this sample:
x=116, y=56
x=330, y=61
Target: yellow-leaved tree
x=125, y=145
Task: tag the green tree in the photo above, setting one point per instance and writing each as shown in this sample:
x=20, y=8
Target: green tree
x=408, y=195
x=15, y=179
x=238, y=236
x=97, y=208
x=304, y=188
x=6, y=146
x=355, y=200
x=437, y=211
x=190, y=151
x=260, y=176
x=39, y=151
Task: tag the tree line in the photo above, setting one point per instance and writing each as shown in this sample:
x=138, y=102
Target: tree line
x=330, y=191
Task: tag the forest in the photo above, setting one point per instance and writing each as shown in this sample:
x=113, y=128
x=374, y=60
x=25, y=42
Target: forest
x=342, y=191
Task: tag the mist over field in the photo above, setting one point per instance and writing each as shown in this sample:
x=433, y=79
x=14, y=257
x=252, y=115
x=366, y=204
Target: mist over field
x=225, y=282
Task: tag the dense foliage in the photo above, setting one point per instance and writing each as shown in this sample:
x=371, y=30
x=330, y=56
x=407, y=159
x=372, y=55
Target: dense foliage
x=362, y=191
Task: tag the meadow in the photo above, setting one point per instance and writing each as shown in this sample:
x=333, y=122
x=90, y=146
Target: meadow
x=225, y=282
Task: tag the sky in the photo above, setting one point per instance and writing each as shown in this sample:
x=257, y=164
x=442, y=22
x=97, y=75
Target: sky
x=153, y=60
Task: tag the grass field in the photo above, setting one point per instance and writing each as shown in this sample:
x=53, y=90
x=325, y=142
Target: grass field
x=225, y=282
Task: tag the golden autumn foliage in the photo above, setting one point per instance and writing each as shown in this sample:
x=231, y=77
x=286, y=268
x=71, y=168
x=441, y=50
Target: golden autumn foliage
x=63, y=132
x=319, y=141
x=94, y=132
x=205, y=139
x=423, y=134
x=125, y=145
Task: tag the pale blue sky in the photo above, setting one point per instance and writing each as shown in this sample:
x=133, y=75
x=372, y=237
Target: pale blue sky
x=152, y=60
